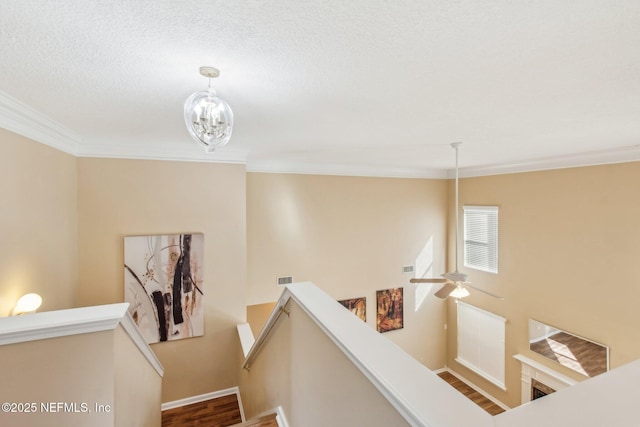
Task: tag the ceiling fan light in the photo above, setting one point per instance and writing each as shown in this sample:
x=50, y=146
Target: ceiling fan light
x=459, y=292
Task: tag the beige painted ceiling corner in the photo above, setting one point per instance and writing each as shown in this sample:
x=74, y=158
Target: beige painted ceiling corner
x=352, y=88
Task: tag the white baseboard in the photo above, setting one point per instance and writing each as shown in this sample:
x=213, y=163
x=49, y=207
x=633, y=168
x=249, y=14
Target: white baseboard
x=280, y=418
x=473, y=386
x=204, y=397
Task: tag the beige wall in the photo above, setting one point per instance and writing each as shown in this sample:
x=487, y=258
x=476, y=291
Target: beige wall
x=257, y=316
x=137, y=385
x=77, y=369
x=102, y=377
x=303, y=371
x=38, y=249
x=351, y=236
x=568, y=257
x=117, y=198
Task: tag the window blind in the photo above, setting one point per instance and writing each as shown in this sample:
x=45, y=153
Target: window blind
x=481, y=342
x=481, y=237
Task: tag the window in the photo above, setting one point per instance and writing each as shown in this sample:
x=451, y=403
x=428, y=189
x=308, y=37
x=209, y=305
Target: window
x=481, y=238
x=481, y=342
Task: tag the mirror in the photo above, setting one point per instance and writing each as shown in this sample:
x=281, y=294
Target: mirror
x=580, y=354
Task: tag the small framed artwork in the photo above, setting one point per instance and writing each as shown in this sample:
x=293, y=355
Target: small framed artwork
x=164, y=285
x=390, y=310
x=357, y=306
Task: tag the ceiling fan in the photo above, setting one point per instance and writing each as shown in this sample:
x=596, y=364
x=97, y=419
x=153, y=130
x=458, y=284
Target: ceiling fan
x=455, y=283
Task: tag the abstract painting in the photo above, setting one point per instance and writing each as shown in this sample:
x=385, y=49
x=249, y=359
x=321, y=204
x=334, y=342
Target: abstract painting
x=390, y=311
x=357, y=306
x=163, y=284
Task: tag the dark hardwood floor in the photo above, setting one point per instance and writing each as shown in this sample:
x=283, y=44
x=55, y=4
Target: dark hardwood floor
x=225, y=411
x=472, y=394
x=221, y=412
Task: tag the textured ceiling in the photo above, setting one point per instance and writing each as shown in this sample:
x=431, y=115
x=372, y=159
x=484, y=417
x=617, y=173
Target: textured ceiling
x=363, y=87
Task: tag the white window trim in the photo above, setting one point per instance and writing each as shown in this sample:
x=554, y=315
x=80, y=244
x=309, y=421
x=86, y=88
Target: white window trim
x=495, y=243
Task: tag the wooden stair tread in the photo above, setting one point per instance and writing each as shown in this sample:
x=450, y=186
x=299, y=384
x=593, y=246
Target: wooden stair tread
x=268, y=420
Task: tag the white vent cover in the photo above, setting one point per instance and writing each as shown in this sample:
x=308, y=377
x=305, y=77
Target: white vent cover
x=285, y=280
x=408, y=269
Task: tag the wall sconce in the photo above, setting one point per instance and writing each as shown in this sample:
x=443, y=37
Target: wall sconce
x=209, y=119
x=27, y=303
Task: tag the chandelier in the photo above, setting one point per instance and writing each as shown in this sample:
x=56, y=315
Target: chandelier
x=209, y=118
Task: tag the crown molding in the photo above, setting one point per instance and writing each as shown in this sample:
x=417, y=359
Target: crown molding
x=625, y=154
x=593, y=158
x=167, y=152
x=18, y=117
x=275, y=166
x=24, y=120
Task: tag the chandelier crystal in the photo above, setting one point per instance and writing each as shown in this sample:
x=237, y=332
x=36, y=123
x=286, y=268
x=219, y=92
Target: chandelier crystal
x=209, y=118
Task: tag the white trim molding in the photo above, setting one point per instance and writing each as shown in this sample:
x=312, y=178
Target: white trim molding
x=60, y=323
x=624, y=154
x=26, y=121
x=204, y=397
x=246, y=337
x=309, y=168
x=162, y=150
x=281, y=419
x=129, y=325
x=75, y=321
x=537, y=371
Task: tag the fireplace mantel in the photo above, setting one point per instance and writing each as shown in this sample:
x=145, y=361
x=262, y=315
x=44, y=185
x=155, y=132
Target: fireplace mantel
x=539, y=372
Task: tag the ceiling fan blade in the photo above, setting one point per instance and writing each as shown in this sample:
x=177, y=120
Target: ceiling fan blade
x=446, y=290
x=427, y=280
x=484, y=292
